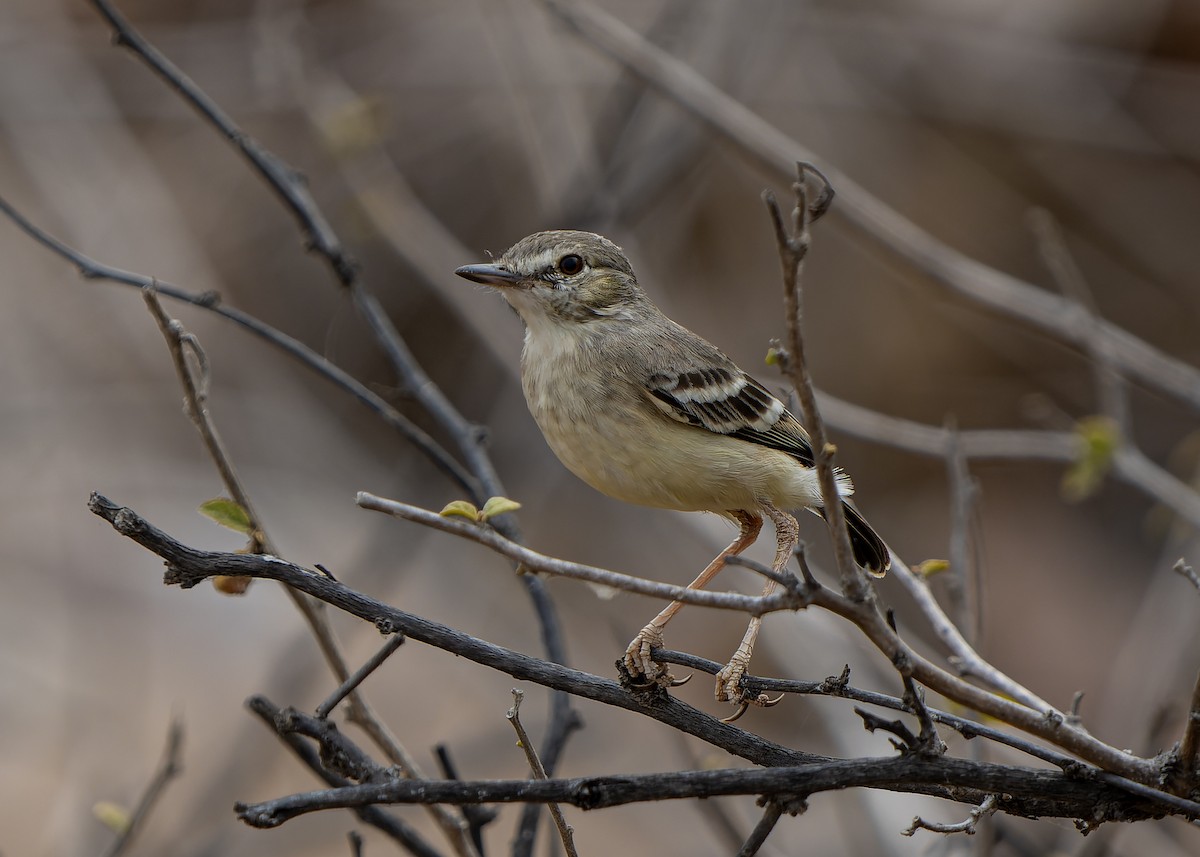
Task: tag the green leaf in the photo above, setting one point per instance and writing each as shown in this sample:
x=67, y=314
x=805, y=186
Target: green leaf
x=1100, y=437
x=113, y=816
x=228, y=514
x=930, y=567
x=460, y=509
x=497, y=506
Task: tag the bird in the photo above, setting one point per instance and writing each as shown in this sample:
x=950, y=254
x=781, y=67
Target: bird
x=650, y=413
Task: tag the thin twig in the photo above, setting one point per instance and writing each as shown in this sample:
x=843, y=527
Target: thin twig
x=1186, y=572
x=350, y=684
x=967, y=826
x=534, y=561
x=1186, y=772
x=792, y=250
x=1110, y=386
x=565, y=832
x=476, y=816
x=758, y=836
x=963, y=580
x=169, y=767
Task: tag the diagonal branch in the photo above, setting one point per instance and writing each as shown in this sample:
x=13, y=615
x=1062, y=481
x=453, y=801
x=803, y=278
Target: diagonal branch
x=957, y=273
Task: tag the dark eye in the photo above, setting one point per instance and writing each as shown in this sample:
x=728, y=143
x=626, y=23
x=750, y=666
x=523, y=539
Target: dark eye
x=570, y=264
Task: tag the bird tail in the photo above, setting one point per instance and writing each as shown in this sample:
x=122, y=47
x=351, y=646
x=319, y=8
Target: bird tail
x=869, y=550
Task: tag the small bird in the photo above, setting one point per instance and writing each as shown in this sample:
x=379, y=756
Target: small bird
x=646, y=411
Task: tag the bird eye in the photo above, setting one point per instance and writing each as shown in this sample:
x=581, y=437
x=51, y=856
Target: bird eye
x=570, y=264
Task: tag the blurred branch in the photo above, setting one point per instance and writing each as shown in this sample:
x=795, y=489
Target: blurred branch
x=169, y=767
x=91, y=269
x=957, y=273
x=470, y=439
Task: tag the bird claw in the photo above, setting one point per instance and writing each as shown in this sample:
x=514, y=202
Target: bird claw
x=680, y=682
x=729, y=689
x=641, y=670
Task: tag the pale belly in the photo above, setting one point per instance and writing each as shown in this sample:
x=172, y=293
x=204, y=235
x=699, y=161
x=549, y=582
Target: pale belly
x=667, y=464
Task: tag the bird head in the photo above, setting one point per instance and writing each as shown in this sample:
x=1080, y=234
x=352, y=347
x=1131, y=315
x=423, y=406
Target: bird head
x=562, y=276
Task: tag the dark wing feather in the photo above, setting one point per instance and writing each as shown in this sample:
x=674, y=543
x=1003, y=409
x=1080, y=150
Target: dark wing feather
x=725, y=400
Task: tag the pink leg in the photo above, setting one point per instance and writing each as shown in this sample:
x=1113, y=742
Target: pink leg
x=787, y=536
x=640, y=666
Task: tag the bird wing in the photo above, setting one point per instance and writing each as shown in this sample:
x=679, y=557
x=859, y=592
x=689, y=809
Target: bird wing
x=718, y=396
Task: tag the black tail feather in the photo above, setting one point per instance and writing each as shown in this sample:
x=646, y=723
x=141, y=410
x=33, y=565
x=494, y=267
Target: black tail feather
x=869, y=550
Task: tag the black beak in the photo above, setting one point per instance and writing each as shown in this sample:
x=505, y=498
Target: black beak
x=489, y=275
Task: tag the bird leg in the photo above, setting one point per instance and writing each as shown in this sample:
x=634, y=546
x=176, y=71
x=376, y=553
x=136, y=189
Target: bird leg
x=729, y=679
x=643, y=670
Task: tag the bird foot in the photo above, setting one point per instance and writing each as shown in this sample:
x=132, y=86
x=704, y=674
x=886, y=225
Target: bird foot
x=643, y=671
x=729, y=687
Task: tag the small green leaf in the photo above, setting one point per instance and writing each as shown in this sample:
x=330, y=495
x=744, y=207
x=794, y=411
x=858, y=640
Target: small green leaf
x=113, y=816
x=1084, y=477
x=497, y=506
x=228, y=514
x=774, y=357
x=460, y=509
x=930, y=567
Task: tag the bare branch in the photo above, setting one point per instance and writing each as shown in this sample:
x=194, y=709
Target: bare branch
x=792, y=250
x=187, y=566
x=352, y=682
x=534, y=561
x=960, y=275
x=967, y=826
x=169, y=767
x=758, y=836
x=905, y=773
x=565, y=832
x=1110, y=386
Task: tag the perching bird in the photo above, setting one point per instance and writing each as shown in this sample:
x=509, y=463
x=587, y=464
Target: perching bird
x=646, y=411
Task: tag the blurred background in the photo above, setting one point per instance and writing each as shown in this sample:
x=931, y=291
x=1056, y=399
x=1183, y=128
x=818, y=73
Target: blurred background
x=433, y=133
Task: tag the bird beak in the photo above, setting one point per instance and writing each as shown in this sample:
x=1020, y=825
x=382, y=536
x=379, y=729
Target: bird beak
x=489, y=275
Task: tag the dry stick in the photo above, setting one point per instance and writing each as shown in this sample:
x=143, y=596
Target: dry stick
x=959, y=274
x=758, y=836
x=752, y=604
x=565, y=832
x=963, y=580
x=792, y=250
x=396, y=828
x=967, y=826
x=169, y=767
x=360, y=675
x=188, y=566
x=291, y=189
x=313, y=611
x=1186, y=772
